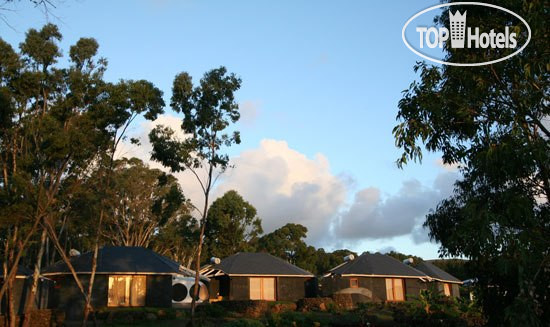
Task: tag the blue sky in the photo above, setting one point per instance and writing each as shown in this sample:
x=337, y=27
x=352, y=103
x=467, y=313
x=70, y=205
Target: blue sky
x=321, y=77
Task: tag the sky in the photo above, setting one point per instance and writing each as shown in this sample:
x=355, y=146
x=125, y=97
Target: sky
x=321, y=82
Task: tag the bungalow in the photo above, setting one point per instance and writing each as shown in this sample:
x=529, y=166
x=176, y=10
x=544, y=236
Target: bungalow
x=125, y=277
x=374, y=277
x=258, y=276
x=445, y=282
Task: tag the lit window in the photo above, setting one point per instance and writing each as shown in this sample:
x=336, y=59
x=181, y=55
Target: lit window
x=447, y=289
x=353, y=283
x=394, y=289
x=126, y=291
x=262, y=289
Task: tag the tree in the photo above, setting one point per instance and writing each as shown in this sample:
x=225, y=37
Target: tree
x=57, y=125
x=208, y=109
x=400, y=256
x=231, y=225
x=176, y=239
x=143, y=200
x=493, y=121
x=286, y=242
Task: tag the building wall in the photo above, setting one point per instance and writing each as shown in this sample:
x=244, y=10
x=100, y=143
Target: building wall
x=295, y=288
x=287, y=288
x=159, y=291
x=455, y=290
x=21, y=287
x=66, y=295
x=370, y=288
x=239, y=288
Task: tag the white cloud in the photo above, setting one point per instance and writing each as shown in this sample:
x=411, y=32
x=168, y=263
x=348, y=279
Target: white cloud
x=373, y=217
x=287, y=186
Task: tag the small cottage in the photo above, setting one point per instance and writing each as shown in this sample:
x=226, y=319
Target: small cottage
x=258, y=276
x=446, y=283
x=374, y=277
x=125, y=277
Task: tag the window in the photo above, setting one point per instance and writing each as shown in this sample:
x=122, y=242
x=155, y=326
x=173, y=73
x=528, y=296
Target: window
x=447, y=289
x=126, y=291
x=394, y=289
x=353, y=283
x=262, y=289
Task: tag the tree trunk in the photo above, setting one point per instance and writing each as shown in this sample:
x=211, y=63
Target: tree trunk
x=31, y=298
x=11, y=308
x=88, y=307
x=197, y=273
x=199, y=248
x=53, y=236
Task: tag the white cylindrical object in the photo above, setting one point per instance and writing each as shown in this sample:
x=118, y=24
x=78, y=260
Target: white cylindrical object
x=215, y=260
x=349, y=257
x=408, y=261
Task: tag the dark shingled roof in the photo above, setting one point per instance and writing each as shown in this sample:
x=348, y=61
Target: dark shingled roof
x=120, y=259
x=245, y=263
x=376, y=264
x=435, y=272
x=22, y=271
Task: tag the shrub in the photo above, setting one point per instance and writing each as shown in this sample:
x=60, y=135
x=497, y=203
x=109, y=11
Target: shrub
x=314, y=304
x=247, y=308
x=244, y=323
x=212, y=310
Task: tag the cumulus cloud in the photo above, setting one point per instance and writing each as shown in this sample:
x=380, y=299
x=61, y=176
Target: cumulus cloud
x=287, y=186
x=373, y=217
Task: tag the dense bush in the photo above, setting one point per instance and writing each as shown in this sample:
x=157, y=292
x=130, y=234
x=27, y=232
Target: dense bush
x=314, y=304
x=248, y=308
x=298, y=319
x=433, y=309
x=244, y=323
x=212, y=310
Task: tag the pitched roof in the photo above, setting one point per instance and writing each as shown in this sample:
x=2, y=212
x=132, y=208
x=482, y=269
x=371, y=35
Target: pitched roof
x=376, y=264
x=248, y=264
x=22, y=271
x=436, y=273
x=121, y=259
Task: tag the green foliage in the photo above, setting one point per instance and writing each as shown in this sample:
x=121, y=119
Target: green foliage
x=455, y=267
x=207, y=110
x=401, y=256
x=232, y=225
x=142, y=201
x=298, y=319
x=492, y=120
x=244, y=323
x=58, y=127
x=212, y=310
x=177, y=239
x=288, y=243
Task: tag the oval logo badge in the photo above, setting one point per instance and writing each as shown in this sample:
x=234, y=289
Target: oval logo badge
x=460, y=36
